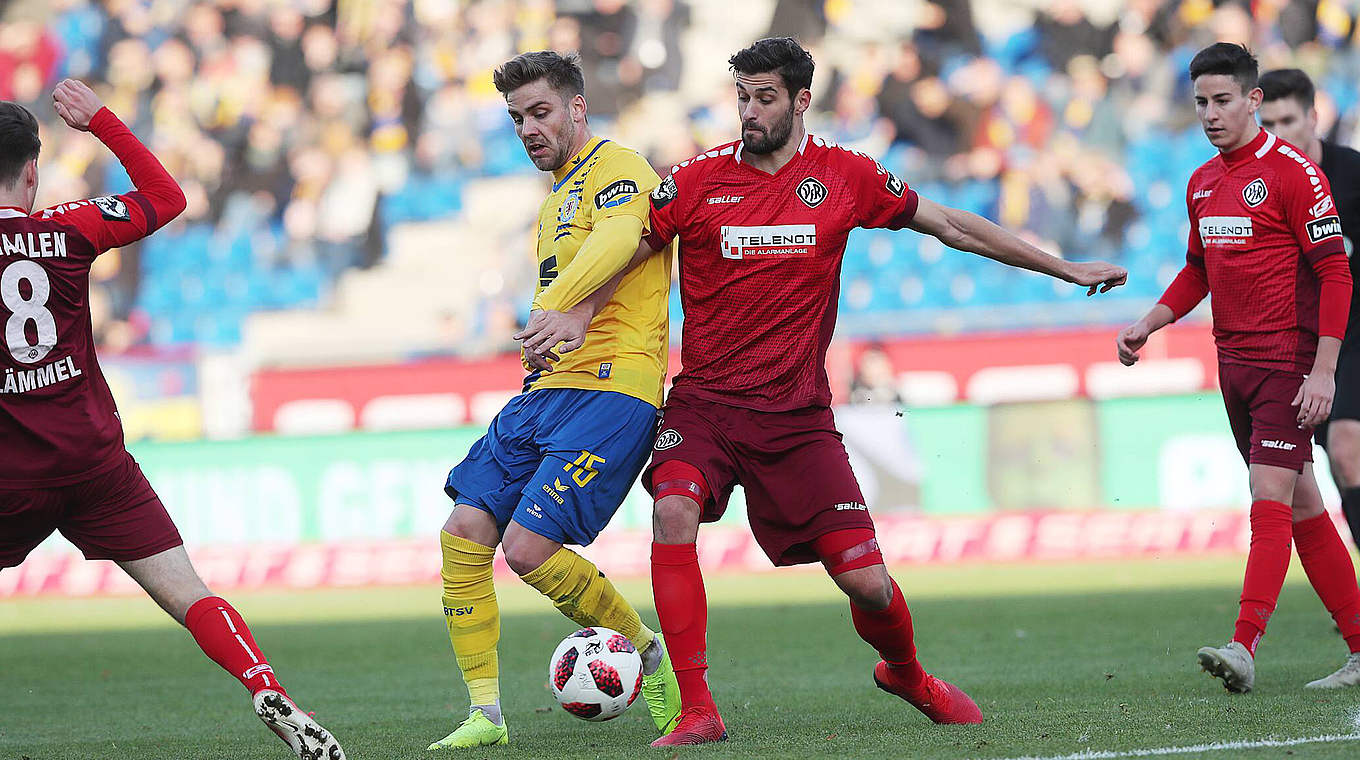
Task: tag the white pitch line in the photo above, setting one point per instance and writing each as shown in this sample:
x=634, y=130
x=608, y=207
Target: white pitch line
x=1093, y=754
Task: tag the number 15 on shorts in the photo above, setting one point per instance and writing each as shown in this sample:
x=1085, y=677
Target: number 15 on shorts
x=583, y=469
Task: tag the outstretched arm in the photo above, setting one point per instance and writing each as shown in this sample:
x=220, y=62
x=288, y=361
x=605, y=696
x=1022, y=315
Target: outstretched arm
x=969, y=232
x=113, y=221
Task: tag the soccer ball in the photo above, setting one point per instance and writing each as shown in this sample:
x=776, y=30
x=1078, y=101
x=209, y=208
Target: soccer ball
x=595, y=674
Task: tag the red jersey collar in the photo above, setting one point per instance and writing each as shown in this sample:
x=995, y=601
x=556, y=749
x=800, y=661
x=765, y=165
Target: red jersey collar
x=737, y=155
x=1257, y=148
x=11, y=212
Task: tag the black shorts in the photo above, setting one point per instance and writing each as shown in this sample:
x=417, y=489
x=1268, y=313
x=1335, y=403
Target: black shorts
x=1346, y=405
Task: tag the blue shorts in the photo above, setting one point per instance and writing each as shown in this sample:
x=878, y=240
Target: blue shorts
x=558, y=461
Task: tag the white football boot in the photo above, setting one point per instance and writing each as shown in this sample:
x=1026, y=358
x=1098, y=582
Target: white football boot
x=1231, y=664
x=296, y=728
x=1348, y=675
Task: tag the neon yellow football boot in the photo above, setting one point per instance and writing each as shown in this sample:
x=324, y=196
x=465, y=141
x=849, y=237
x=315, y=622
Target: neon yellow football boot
x=662, y=693
x=476, y=731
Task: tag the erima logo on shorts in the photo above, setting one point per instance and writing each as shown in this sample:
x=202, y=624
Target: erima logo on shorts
x=1255, y=192
x=668, y=439
x=812, y=192
x=112, y=208
x=798, y=240
x=1281, y=445
x=1321, y=229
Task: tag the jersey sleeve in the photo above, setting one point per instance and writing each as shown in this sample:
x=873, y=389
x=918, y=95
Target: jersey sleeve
x=115, y=220
x=620, y=185
x=1192, y=282
x=663, y=222
x=1310, y=212
x=881, y=199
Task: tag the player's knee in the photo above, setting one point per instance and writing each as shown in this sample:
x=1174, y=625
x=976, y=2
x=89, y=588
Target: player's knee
x=525, y=552
x=1343, y=443
x=869, y=588
x=675, y=520
x=472, y=524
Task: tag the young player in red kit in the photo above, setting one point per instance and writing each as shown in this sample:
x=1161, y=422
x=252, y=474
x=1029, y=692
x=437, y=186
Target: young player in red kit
x=64, y=465
x=1265, y=239
x=762, y=224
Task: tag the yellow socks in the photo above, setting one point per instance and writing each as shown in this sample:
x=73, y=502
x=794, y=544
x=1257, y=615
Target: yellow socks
x=581, y=592
x=472, y=614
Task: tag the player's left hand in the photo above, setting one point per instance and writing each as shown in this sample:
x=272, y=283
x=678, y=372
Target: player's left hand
x=1098, y=276
x=546, y=329
x=1314, y=399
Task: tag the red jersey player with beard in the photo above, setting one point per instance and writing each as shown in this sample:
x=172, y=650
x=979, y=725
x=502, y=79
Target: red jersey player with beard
x=762, y=224
x=1265, y=239
x=64, y=466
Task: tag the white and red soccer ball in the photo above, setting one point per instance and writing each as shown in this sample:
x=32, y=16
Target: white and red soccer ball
x=595, y=674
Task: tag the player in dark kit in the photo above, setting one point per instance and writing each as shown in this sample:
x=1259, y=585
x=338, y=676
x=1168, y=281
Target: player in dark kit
x=64, y=465
x=1266, y=241
x=1287, y=110
x=762, y=224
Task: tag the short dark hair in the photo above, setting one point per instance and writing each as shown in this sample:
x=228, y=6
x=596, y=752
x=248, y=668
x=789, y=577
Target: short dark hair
x=1288, y=83
x=563, y=73
x=1228, y=59
x=19, y=141
x=781, y=54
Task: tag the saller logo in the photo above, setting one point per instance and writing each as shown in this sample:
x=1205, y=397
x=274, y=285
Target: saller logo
x=1255, y=193
x=1321, y=229
x=812, y=192
x=616, y=194
x=797, y=240
x=1282, y=445
x=668, y=439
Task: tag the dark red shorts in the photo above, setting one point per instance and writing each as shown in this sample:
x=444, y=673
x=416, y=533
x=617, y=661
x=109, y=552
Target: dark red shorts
x=1264, y=420
x=114, y=515
x=792, y=465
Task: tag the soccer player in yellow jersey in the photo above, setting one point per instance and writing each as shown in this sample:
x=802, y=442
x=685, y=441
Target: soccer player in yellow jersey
x=559, y=458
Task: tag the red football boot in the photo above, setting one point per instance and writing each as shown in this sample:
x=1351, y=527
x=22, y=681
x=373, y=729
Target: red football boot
x=698, y=725
x=940, y=700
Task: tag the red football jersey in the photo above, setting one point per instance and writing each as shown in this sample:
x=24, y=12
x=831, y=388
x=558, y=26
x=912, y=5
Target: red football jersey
x=1261, y=218
x=58, y=422
x=760, y=264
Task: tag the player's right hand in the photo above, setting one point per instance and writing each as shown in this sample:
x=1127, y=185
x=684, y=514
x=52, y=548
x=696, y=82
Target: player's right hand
x=1098, y=276
x=1129, y=341
x=76, y=103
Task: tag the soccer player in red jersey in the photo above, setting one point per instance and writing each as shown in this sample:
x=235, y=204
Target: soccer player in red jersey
x=762, y=224
x=1265, y=239
x=64, y=465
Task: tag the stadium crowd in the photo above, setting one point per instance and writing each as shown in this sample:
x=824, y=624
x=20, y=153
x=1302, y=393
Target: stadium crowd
x=303, y=130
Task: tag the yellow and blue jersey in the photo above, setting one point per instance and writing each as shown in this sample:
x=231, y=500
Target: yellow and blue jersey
x=627, y=342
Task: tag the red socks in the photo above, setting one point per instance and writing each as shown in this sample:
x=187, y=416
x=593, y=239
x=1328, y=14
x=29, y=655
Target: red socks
x=224, y=637
x=682, y=606
x=1329, y=568
x=1267, y=563
x=889, y=631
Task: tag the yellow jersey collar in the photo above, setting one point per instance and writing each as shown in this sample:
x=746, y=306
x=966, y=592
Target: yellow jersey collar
x=564, y=173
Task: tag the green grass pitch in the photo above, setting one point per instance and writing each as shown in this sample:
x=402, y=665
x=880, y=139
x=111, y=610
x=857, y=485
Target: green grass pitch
x=1062, y=658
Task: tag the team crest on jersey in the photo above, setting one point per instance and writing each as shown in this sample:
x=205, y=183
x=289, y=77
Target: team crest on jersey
x=112, y=208
x=812, y=192
x=665, y=192
x=668, y=439
x=895, y=185
x=616, y=194
x=567, y=211
x=1255, y=192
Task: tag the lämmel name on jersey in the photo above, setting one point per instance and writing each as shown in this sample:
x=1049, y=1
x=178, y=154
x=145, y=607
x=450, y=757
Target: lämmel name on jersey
x=25, y=380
